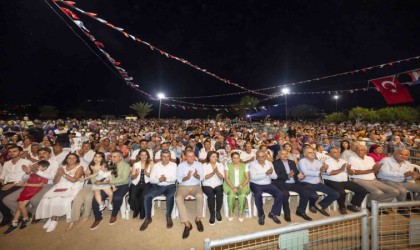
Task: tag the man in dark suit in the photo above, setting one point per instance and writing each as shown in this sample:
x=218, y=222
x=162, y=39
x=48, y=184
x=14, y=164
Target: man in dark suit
x=288, y=179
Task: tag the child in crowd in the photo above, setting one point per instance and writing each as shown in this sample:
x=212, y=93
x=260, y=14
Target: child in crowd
x=31, y=187
x=104, y=176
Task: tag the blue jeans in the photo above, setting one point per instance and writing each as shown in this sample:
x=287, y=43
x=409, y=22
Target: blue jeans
x=258, y=190
x=157, y=190
x=117, y=201
x=331, y=194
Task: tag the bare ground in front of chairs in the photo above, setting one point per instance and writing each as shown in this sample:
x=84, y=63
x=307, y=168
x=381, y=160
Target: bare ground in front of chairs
x=125, y=234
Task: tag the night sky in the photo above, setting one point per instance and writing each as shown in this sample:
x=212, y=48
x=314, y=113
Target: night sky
x=254, y=43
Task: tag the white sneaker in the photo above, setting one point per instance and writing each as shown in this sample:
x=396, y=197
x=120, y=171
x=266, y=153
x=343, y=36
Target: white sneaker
x=47, y=224
x=52, y=226
x=241, y=220
x=230, y=218
x=110, y=207
x=101, y=207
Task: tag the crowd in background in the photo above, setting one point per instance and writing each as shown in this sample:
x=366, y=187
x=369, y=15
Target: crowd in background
x=60, y=166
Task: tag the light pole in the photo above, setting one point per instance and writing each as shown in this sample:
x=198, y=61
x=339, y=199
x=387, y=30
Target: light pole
x=285, y=91
x=160, y=96
x=336, y=102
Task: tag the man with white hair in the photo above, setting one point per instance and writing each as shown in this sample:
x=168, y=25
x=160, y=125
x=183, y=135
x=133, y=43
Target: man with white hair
x=396, y=172
x=363, y=170
x=312, y=169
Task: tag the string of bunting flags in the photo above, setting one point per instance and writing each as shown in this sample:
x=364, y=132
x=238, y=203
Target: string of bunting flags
x=154, y=48
x=117, y=65
x=255, y=91
x=393, y=88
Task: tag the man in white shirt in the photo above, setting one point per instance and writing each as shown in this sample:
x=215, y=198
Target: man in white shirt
x=312, y=169
x=86, y=154
x=143, y=145
x=248, y=155
x=351, y=152
x=11, y=175
x=202, y=155
x=165, y=146
x=261, y=172
x=49, y=173
x=59, y=153
x=337, y=178
x=189, y=176
x=162, y=178
x=363, y=170
x=396, y=172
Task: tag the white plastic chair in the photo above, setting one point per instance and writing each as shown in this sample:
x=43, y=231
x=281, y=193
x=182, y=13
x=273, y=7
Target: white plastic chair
x=191, y=198
x=125, y=208
x=158, y=199
x=226, y=206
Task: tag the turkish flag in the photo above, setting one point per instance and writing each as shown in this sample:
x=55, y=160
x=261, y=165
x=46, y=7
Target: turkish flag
x=392, y=90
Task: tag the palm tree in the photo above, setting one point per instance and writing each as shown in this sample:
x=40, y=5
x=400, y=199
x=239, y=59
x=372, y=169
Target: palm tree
x=142, y=109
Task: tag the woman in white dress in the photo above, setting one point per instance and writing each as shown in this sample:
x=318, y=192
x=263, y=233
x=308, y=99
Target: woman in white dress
x=57, y=201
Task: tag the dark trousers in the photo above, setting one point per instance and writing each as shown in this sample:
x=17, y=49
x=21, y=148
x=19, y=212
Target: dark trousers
x=210, y=193
x=331, y=194
x=305, y=194
x=7, y=215
x=359, y=192
x=157, y=190
x=136, y=198
x=117, y=201
x=258, y=190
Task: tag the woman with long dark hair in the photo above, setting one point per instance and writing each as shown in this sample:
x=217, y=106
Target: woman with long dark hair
x=140, y=174
x=85, y=196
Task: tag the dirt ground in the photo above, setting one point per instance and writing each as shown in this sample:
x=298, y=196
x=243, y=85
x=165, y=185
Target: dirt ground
x=125, y=234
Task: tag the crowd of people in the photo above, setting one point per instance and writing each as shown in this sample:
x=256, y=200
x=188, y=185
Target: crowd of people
x=56, y=168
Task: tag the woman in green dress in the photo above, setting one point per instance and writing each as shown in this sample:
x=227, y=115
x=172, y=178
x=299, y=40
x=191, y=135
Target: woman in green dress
x=236, y=185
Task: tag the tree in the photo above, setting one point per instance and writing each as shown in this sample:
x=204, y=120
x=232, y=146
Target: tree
x=48, y=112
x=304, y=111
x=362, y=114
x=336, y=117
x=142, y=109
x=78, y=113
x=406, y=114
x=387, y=114
x=245, y=104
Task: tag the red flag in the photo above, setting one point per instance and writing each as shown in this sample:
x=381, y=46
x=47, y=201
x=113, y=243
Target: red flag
x=392, y=90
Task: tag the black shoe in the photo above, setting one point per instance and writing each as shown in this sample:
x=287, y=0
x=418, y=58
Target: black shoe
x=274, y=218
x=212, y=219
x=186, y=232
x=5, y=222
x=25, y=223
x=135, y=215
x=261, y=220
x=322, y=211
x=218, y=216
x=169, y=223
x=304, y=216
x=312, y=209
x=383, y=211
x=287, y=217
x=200, y=226
x=11, y=229
x=353, y=208
x=35, y=221
x=145, y=224
x=343, y=211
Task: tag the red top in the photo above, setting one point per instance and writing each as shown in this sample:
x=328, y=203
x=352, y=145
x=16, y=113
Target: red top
x=377, y=157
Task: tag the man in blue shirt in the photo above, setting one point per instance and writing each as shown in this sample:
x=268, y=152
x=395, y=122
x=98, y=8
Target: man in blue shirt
x=189, y=176
x=312, y=169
